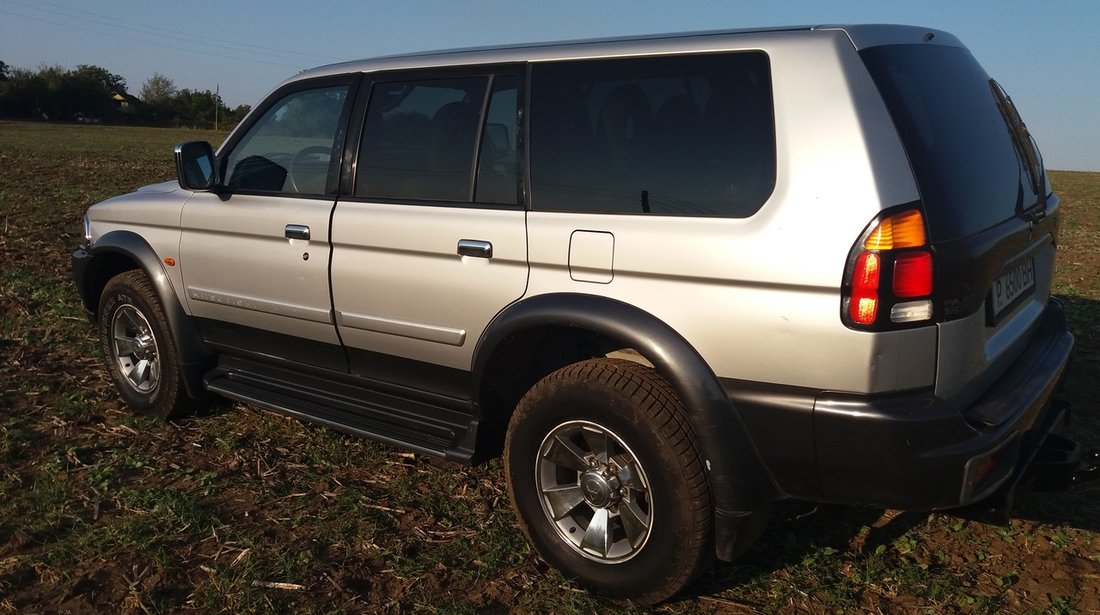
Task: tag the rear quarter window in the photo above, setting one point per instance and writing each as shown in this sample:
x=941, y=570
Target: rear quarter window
x=674, y=135
x=958, y=142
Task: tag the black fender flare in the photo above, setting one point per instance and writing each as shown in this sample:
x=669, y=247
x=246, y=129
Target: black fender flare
x=739, y=480
x=194, y=357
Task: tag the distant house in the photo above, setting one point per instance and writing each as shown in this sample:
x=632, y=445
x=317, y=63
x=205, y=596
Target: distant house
x=125, y=103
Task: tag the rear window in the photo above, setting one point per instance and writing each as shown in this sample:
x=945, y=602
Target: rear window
x=959, y=145
x=681, y=135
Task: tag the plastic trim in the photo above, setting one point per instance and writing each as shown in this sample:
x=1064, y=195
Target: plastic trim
x=193, y=355
x=739, y=479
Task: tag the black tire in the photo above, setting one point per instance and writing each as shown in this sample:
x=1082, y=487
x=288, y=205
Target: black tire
x=139, y=350
x=655, y=535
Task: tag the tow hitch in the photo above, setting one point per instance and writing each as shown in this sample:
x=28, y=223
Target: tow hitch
x=1056, y=464
x=1061, y=464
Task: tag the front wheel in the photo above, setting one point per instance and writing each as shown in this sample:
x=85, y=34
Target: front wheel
x=140, y=352
x=605, y=474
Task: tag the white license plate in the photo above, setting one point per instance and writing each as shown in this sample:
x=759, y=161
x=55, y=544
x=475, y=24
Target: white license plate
x=1012, y=285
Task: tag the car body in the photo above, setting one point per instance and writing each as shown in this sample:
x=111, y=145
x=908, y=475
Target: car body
x=826, y=252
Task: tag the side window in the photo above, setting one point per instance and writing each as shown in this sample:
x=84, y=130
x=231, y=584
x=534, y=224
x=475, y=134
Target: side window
x=289, y=149
x=498, y=165
x=677, y=135
x=420, y=139
x=435, y=140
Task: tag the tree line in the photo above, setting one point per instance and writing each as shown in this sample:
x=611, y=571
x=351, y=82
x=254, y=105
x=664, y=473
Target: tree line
x=95, y=95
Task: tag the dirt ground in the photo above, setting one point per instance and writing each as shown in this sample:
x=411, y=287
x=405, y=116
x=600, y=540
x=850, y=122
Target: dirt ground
x=240, y=510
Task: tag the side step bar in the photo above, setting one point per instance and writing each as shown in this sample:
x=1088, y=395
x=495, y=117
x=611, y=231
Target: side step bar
x=408, y=424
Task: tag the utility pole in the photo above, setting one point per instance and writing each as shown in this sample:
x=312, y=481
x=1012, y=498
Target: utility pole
x=217, y=102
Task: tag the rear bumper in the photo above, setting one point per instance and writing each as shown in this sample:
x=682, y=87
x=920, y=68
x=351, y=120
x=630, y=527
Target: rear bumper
x=912, y=451
x=920, y=452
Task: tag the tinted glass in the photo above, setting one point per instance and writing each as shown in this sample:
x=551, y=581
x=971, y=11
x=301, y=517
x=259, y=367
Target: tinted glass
x=957, y=139
x=420, y=139
x=289, y=149
x=685, y=135
x=497, y=167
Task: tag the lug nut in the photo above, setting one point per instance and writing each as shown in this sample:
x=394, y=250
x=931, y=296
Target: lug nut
x=1093, y=456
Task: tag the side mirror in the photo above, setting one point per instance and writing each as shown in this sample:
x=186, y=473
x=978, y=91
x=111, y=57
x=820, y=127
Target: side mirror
x=196, y=167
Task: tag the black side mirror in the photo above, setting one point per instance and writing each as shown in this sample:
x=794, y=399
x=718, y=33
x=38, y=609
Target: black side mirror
x=196, y=167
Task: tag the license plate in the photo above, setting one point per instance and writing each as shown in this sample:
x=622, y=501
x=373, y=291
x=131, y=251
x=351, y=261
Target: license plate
x=1012, y=285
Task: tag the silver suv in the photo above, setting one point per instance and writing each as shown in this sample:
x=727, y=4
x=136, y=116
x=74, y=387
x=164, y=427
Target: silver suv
x=672, y=278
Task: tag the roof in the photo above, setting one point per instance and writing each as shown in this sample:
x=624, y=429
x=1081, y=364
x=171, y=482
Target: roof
x=126, y=98
x=861, y=36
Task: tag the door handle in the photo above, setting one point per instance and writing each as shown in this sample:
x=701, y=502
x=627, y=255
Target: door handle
x=475, y=247
x=297, y=231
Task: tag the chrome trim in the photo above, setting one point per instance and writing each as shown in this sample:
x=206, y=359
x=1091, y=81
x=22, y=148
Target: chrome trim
x=475, y=247
x=296, y=231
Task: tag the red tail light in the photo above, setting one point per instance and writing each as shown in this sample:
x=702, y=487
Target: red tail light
x=863, y=308
x=891, y=274
x=913, y=275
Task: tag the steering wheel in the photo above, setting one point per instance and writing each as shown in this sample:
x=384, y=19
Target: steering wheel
x=302, y=170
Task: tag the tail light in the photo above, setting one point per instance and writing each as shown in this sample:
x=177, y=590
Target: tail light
x=890, y=276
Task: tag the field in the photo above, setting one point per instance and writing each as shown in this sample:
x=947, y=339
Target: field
x=244, y=511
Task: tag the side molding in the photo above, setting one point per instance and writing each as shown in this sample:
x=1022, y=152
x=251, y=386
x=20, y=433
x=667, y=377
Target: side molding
x=739, y=480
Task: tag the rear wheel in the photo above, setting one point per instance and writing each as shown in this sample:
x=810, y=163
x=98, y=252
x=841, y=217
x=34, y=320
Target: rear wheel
x=605, y=474
x=140, y=353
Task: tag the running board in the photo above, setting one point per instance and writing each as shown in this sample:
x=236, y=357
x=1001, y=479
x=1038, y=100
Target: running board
x=387, y=418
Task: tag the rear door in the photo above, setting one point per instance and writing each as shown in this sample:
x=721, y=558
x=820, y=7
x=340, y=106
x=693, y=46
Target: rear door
x=432, y=243
x=990, y=213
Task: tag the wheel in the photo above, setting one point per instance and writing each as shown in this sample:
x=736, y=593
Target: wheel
x=140, y=353
x=605, y=475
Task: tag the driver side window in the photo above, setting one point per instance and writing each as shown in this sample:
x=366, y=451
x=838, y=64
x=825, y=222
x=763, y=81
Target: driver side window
x=289, y=149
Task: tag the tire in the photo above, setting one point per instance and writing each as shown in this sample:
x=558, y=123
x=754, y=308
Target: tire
x=140, y=353
x=605, y=475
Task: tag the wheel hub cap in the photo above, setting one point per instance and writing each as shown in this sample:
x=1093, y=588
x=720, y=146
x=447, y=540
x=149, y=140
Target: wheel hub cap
x=595, y=492
x=134, y=349
x=600, y=491
x=143, y=346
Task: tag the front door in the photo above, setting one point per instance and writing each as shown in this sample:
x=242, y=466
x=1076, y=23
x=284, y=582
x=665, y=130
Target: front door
x=254, y=254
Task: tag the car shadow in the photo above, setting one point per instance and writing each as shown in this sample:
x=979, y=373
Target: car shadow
x=801, y=532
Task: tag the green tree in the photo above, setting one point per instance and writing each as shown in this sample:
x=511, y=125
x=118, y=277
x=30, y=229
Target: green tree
x=54, y=92
x=23, y=94
x=100, y=78
x=159, y=93
x=238, y=114
x=196, y=109
x=87, y=92
x=157, y=90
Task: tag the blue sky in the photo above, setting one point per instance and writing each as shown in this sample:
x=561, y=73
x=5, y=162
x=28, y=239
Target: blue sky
x=1046, y=54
